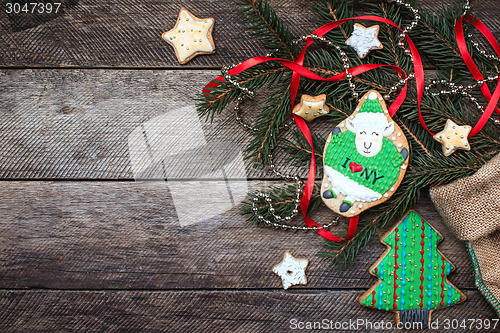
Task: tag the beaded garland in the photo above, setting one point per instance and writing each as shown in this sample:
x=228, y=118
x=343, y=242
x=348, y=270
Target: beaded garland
x=412, y=273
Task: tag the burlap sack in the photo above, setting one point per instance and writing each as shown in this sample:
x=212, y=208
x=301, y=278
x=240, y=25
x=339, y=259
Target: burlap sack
x=471, y=208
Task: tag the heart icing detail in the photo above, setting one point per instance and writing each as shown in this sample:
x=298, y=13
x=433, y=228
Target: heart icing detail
x=355, y=167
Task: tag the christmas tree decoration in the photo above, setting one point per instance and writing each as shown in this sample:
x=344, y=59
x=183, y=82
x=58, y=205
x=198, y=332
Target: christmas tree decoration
x=279, y=138
x=291, y=270
x=412, y=273
x=191, y=36
x=363, y=40
x=453, y=137
x=311, y=107
x=365, y=158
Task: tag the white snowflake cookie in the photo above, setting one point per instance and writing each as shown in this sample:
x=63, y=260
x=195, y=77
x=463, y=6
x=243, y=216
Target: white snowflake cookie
x=363, y=39
x=291, y=270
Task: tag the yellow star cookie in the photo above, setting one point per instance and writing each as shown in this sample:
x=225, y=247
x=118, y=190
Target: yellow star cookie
x=453, y=137
x=291, y=270
x=311, y=107
x=191, y=36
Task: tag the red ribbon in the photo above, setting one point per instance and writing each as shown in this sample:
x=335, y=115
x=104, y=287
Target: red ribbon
x=299, y=70
x=492, y=100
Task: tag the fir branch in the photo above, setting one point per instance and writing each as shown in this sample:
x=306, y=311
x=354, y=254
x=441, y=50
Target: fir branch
x=299, y=150
x=413, y=136
x=268, y=123
x=265, y=25
x=434, y=36
x=332, y=12
x=255, y=78
x=336, y=109
x=282, y=199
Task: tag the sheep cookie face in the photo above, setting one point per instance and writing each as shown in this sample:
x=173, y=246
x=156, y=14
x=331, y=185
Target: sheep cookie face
x=365, y=158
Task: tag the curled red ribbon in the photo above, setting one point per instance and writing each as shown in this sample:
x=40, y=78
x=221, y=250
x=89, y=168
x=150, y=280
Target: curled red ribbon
x=471, y=65
x=492, y=100
x=299, y=70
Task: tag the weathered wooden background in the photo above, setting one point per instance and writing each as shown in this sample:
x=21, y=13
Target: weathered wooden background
x=85, y=246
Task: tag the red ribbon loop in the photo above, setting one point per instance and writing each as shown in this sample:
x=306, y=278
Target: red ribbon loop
x=299, y=70
x=492, y=100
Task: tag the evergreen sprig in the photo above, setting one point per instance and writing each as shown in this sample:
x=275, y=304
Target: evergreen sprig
x=272, y=33
x=434, y=37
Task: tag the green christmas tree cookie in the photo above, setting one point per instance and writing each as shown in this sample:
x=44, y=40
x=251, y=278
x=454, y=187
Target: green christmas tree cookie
x=412, y=273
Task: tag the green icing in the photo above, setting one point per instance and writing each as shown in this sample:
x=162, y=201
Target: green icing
x=379, y=173
x=371, y=105
x=432, y=266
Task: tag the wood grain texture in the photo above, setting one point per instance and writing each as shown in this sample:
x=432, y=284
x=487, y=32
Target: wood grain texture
x=205, y=311
x=91, y=33
x=92, y=124
x=120, y=124
x=131, y=235
x=117, y=124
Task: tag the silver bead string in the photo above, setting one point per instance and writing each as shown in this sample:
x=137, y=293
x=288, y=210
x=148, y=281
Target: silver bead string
x=277, y=223
x=402, y=44
x=247, y=93
x=465, y=91
x=474, y=43
x=450, y=88
x=482, y=51
x=343, y=57
x=408, y=28
x=466, y=8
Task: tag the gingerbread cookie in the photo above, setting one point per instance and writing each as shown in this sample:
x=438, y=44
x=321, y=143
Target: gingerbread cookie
x=363, y=39
x=191, y=36
x=311, y=107
x=412, y=273
x=453, y=137
x=291, y=270
x=365, y=158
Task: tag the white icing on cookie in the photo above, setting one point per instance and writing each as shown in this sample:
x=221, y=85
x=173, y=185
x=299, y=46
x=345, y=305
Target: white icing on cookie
x=347, y=186
x=363, y=39
x=291, y=270
x=190, y=35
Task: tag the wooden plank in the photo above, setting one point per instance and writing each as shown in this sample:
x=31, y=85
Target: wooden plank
x=94, y=124
x=135, y=235
x=210, y=311
x=127, y=33
x=119, y=124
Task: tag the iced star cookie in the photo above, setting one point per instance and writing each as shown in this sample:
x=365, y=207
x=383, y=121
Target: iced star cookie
x=363, y=39
x=191, y=36
x=311, y=107
x=453, y=137
x=291, y=270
